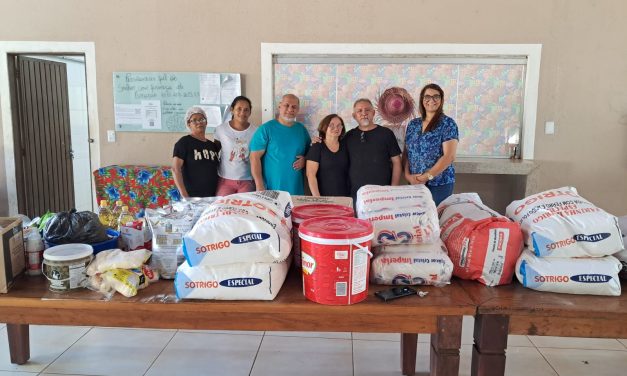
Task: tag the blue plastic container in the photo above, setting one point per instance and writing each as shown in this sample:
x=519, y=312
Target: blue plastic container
x=112, y=243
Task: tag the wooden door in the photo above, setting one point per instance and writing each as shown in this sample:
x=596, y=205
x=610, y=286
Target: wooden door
x=43, y=156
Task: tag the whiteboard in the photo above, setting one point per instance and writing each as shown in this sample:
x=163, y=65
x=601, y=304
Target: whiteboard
x=157, y=101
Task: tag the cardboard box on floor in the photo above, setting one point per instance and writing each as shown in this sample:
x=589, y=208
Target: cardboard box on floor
x=305, y=200
x=12, y=258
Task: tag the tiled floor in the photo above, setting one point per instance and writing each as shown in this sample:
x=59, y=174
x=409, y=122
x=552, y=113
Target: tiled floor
x=115, y=351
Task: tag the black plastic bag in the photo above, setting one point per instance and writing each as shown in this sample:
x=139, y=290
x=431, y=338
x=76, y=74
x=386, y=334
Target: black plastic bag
x=75, y=227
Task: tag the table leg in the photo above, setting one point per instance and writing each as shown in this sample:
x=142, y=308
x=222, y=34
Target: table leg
x=409, y=345
x=19, y=344
x=445, y=344
x=488, y=352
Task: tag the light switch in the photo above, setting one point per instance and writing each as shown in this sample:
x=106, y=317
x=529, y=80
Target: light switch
x=549, y=127
x=111, y=136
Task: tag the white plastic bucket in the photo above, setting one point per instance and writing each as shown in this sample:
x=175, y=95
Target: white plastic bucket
x=65, y=265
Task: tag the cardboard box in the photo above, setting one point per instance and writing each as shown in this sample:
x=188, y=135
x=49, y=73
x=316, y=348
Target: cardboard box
x=12, y=258
x=304, y=200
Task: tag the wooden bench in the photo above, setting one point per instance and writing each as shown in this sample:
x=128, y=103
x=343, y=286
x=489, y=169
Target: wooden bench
x=439, y=313
x=513, y=309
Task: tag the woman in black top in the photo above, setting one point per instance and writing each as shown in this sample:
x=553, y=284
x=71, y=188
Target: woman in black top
x=195, y=159
x=327, y=161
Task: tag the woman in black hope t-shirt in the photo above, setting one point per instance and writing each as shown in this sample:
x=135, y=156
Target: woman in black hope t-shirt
x=195, y=158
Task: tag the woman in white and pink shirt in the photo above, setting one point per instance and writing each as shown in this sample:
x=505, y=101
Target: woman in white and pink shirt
x=234, y=135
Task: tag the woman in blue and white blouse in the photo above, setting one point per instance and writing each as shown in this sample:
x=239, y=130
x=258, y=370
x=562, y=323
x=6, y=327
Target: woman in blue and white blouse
x=430, y=145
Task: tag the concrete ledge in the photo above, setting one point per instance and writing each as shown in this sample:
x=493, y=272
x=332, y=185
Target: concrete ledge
x=494, y=166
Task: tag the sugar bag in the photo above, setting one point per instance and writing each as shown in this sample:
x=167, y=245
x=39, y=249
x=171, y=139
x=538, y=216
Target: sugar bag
x=482, y=244
x=399, y=214
x=411, y=264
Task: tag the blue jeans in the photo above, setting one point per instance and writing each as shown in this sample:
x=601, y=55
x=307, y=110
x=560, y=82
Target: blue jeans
x=440, y=192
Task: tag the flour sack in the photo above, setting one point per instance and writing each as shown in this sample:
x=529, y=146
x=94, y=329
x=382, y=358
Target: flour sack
x=238, y=281
x=560, y=223
x=244, y=227
x=594, y=276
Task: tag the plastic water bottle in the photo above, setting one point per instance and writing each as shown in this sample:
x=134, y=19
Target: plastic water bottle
x=115, y=214
x=125, y=217
x=104, y=214
x=34, y=247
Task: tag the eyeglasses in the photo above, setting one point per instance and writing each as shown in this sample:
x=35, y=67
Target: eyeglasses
x=435, y=98
x=362, y=138
x=198, y=121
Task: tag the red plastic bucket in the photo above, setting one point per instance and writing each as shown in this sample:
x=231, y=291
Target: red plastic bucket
x=304, y=212
x=335, y=259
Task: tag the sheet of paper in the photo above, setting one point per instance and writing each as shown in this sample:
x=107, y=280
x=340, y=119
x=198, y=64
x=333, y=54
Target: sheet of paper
x=209, y=88
x=126, y=114
x=230, y=89
x=151, y=114
x=214, y=115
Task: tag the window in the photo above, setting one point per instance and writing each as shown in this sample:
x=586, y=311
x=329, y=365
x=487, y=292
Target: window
x=490, y=90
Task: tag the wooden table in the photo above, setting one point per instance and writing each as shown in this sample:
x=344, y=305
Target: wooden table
x=439, y=313
x=513, y=309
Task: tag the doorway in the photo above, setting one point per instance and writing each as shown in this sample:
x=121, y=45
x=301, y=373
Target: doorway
x=51, y=134
x=80, y=147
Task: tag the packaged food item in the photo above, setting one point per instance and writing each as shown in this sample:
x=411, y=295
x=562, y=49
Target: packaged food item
x=124, y=218
x=118, y=259
x=115, y=214
x=482, y=244
x=34, y=247
x=104, y=213
x=560, y=223
x=168, y=225
x=244, y=227
x=411, y=264
x=399, y=214
x=237, y=281
x=133, y=235
x=594, y=276
x=126, y=282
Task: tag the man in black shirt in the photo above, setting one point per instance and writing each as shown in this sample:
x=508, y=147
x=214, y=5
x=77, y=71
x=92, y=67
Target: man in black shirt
x=375, y=157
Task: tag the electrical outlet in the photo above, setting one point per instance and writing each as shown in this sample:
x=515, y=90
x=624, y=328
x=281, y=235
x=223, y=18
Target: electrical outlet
x=549, y=127
x=111, y=136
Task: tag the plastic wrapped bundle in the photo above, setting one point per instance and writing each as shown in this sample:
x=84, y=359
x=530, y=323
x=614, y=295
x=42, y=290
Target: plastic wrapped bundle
x=399, y=214
x=482, y=244
x=168, y=225
x=411, y=264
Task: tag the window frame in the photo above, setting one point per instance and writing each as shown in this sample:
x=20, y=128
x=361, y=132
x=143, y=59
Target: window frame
x=334, y=52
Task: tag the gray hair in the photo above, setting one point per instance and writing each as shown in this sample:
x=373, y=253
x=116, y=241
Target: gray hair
x=364, y=100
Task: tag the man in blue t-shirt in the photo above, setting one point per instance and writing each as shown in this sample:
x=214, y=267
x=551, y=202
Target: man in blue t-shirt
x=277, y=150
